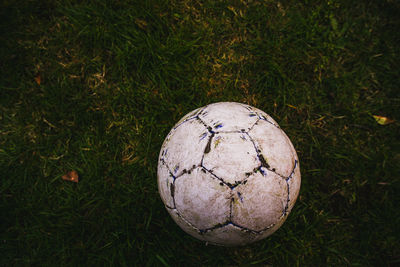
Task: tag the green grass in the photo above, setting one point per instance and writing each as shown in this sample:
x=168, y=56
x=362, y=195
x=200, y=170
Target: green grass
x=116, y=76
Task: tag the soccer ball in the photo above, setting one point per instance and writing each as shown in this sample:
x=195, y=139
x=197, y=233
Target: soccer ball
x=228, y=174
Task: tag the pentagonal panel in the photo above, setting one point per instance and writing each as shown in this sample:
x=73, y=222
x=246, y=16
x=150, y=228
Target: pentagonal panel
x=228, y=116
x=230, y=156
x=260, y=202
x=202, y=199
x=294, y=185
x=184, y=148
x=230, y=235
x=165, y=184
x=274, y=146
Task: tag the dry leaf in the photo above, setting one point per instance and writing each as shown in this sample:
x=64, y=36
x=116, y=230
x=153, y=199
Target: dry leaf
x=382, y=120
x=141, y=23
x=71, y=176
x=38, y=80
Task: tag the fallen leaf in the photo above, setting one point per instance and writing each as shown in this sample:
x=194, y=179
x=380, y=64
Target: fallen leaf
x=382, y=120
x=141, y=23
x=38, y=80
x=71, y=176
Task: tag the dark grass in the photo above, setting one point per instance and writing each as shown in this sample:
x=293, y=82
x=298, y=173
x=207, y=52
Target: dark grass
x=116, y=76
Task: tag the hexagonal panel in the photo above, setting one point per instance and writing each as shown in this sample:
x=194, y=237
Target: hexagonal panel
x=228, y=116
x=165, y=183
x=275, y=147
x=230, y=235
x=184, y=147
x=202, y=199
x=231, y=156
x=260, y=202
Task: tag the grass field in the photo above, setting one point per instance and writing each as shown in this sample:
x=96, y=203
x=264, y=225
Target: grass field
x=95, y=86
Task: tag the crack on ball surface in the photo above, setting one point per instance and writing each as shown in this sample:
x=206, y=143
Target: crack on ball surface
x=208, y=146
x=172, y=189
x=263, y=161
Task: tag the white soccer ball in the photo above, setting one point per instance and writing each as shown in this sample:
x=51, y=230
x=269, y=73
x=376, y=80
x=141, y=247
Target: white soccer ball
x=228, y=174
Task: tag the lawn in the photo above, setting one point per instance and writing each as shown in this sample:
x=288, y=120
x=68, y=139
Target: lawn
x=95, y=87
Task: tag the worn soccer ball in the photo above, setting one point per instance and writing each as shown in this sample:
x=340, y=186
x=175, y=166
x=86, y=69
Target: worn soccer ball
x=228, y=174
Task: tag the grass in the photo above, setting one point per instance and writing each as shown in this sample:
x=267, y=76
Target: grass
x=116, y=75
